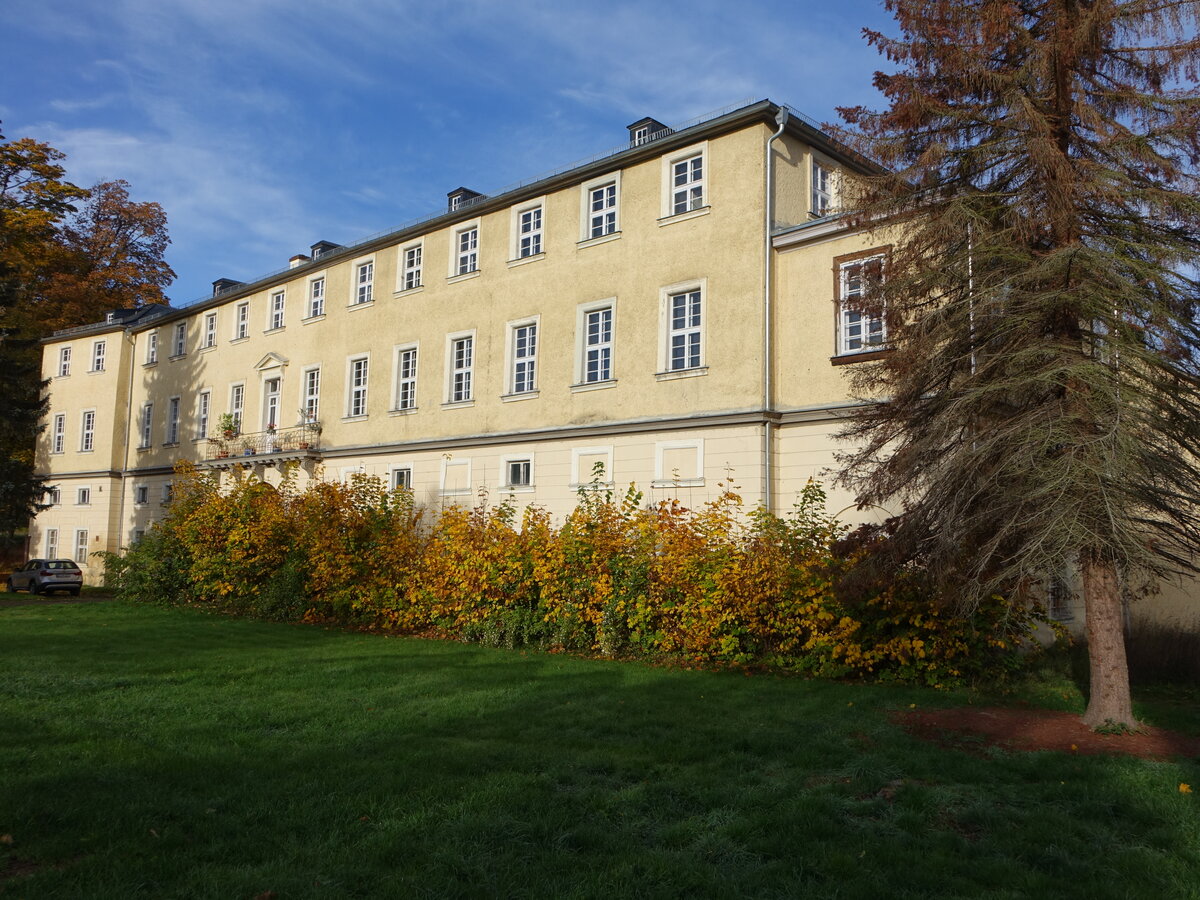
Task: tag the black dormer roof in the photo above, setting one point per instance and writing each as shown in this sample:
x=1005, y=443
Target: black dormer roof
x=323, y=248
x=221, y=285
x=651, y=128
x=460, y=197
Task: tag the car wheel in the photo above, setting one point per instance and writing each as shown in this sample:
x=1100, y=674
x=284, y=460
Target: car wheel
x=8, y=586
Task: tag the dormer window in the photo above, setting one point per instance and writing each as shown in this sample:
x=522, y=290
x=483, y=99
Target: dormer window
x=645, y=130
x=461, y=197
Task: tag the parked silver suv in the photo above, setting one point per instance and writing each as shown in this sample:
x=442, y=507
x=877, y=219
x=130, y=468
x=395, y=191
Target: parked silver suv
x=41, y=576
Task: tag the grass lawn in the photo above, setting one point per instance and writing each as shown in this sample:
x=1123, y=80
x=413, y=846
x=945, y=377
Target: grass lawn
x=162, y=753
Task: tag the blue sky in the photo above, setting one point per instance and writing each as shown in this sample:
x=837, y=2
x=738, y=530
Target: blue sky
x=263, y=126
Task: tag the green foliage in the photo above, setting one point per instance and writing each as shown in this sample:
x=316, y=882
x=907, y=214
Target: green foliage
x=714, y=586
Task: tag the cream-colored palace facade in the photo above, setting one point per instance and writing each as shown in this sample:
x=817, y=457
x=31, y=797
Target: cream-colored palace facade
x=678, y=313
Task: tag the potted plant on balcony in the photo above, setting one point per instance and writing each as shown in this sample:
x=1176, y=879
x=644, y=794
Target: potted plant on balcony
x=272, y=444
x=228, y=426
x=309, y=428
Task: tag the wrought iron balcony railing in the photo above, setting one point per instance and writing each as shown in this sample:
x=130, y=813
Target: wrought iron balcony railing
x=277, y=443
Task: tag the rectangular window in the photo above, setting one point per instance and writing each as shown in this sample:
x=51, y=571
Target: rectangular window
x=597, y=345
x=147, y=421
x=210, y=330
x=51, y=543
x=402, y=478
x=364, y=282
x=278, y=304
x=168, y=492
x=141, y=494
x=468, y=251
x=83, y=496
x=524, y=358
x=98, y=350
x=602, y=210
x=406, y=378
x=687, y=184
x=412, y=268
x=822, y=193
x=357, y=405
x=138, y=534
x=860, y=327
x=64, y=362
x=180, y=345
x=316, y=297
x=152, y=348
x=241, y=322
x=60, y=434
x=312, y=394
x=529, y=232
x=173, y=421
x=203, y=408
x=518, y=473
x=462, y=367
x=81, y=547
x=87, y=438
x=237, y=402
x=55, y=496
x=684, y=313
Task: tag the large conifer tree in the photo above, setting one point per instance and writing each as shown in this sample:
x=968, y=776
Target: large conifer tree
x=1041, y=404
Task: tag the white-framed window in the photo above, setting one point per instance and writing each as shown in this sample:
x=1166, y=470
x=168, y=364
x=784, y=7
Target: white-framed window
x=683, y=326
x=401, y=478
x=461, y=368
x=356, y=386
x=237, y=403
x=641, y=135
x=98, y=352
x=311, y=401
x=456, y=476
x=595, y=342
x=172, y=435
x=592, y=465
x=81, y=547
x=278, y=308
x=203, y=411
x=364, y=282
x=64, y=362
x=822, y=188
x=152, y=348
x=83, y=496
x=179, y=347
x=601, y=199
x=465, y=258
x=516, y=472
x=860, y=327
x=522, y=354
x=55, y=497
x=685, y=180
x=87, y=431
x=316, y=297
x=210, y=329
x=270, y=405
x=679, y=463
x=406, y=377
x=147, y=423
x=168, y=492
x=410, y=269
x=141, y=494
x=241, y=321
x=527, y=229
x=51, y=543
x=59, y=441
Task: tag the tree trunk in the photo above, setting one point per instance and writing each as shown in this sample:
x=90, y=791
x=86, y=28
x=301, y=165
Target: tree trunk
x=1109, y=700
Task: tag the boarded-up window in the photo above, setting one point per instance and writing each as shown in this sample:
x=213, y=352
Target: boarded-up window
x=457, y=478
x=679, y=463
x=592, y=465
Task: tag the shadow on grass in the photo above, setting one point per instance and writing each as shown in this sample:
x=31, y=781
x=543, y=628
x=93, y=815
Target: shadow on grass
x=164, y=753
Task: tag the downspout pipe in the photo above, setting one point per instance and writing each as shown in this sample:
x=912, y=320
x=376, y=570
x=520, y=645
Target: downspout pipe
x=768, y=399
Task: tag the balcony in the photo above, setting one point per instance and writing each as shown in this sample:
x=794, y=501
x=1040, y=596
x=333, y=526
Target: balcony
x=265, y=448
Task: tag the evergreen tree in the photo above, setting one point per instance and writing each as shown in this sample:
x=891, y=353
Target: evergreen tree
x=1041, y=401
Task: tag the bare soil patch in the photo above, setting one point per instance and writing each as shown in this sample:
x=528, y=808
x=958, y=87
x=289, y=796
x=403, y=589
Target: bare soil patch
x=972, y=728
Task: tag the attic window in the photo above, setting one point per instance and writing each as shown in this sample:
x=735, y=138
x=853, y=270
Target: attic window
x=460, y=197
x=641, y=135
x=643, y=131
